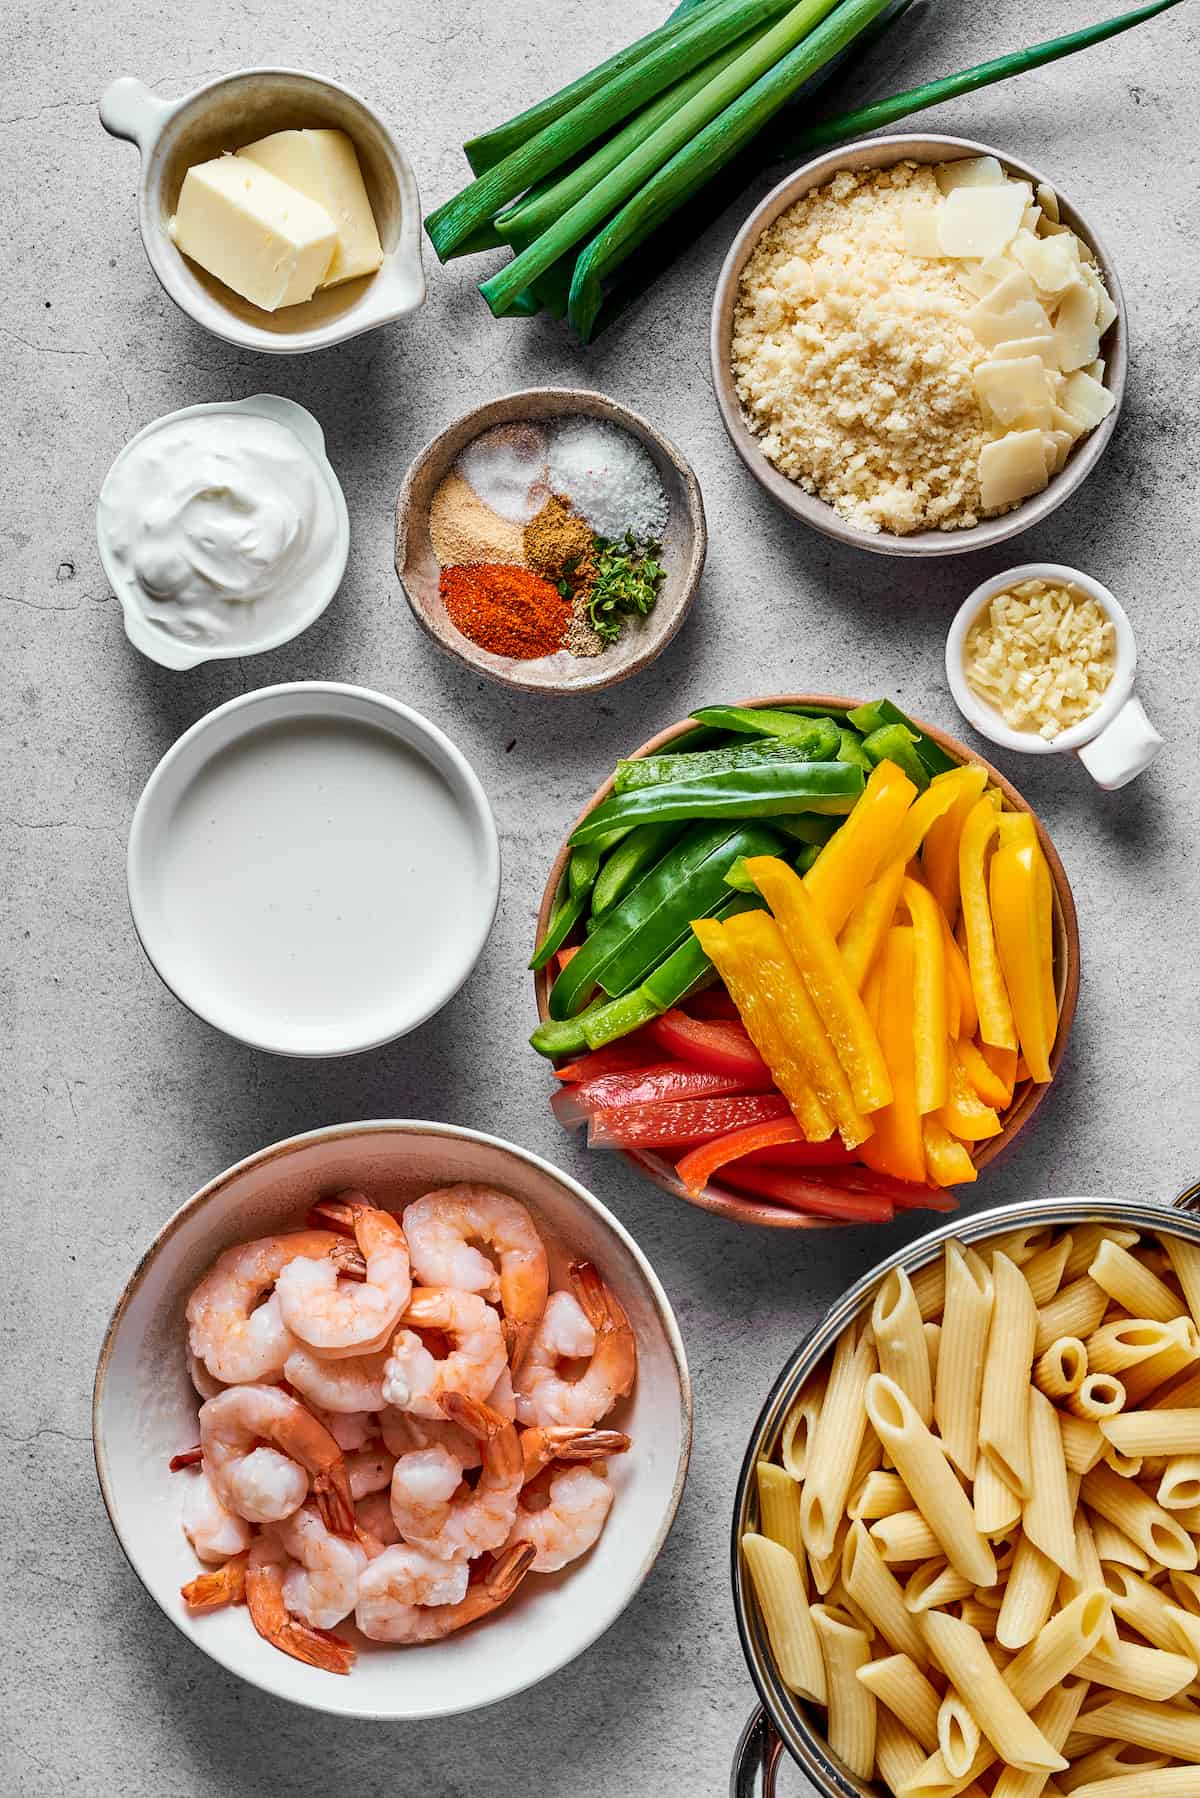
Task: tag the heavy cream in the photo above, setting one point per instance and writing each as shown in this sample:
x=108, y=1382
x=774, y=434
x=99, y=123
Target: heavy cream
x=218, y=527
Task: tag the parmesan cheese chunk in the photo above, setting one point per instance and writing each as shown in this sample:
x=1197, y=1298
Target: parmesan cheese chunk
x=993, y=323
x=1012, y=468
x=1052, y=263
x=1086, y=401
x=970, y=171
x=1076, y=338
x=1042, y=347
x=980, y=221
x=1015, y=388
x=921, y=231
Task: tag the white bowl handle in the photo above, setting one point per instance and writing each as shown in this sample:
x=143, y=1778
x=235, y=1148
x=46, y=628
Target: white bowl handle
x=1123, y=750
x=129, y=109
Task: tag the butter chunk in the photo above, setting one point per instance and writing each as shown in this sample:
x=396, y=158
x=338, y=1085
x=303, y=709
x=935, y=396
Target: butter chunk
x=252, y=231
x=980, y=221
x=1012, y=468
x=323, y=165
x=1015, y=388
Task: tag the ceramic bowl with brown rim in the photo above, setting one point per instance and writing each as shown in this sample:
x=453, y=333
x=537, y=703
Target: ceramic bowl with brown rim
x=642, y=640
x=144, y=1411
x=880, y=153
x=741, y=1207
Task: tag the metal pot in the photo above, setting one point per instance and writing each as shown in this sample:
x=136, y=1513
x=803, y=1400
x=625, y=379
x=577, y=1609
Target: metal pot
x=781, y=1721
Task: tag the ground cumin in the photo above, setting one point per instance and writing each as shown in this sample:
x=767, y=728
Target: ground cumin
x=561, y=546
x=507, y=610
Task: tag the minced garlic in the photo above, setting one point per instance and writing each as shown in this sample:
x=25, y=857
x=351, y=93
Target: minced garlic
x=1042, y=654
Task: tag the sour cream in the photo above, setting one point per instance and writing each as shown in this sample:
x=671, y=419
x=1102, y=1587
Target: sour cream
x=222, y=529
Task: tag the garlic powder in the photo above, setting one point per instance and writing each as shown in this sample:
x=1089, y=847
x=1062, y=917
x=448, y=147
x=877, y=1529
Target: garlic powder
x=1042, y=655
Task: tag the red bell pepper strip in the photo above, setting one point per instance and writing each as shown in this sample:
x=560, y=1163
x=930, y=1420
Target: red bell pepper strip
x=808, y=1192
x=631, y=1052
x=696, y=1167
x=712, y=1002
x=711, y=1043
x=830, y=1153
x=679, y=1123
x=640, y=1086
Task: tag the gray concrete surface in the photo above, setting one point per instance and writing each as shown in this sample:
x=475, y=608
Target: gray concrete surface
x=118, y=1104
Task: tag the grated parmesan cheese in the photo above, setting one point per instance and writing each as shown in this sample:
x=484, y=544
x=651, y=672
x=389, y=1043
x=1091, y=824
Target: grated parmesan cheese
x=1042, y=655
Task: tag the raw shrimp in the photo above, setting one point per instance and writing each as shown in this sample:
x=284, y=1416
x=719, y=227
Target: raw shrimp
x=349, y=1318
x=374, y=1525
x=216, y=1534
x=321, y=1585
x=354, y=1383
x=543, y=1395
x=570, y=1523
x=266, y=1571
x=369, y=1470
x=264, y=1484
x=430, y=1510
x=390, y=1615
x=441, y=1228
x=235, y=1341
x=210, y=1591
x=396, y=1583
x=545, y=1443
x=414, y=1380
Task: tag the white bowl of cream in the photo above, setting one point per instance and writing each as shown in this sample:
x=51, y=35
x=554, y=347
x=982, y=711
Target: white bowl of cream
x=223, y=530
x=313, y=869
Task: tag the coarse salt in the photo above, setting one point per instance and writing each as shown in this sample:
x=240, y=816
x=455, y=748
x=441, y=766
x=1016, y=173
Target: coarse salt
x=608, y=477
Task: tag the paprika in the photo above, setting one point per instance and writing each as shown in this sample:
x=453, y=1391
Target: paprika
x=504, y=609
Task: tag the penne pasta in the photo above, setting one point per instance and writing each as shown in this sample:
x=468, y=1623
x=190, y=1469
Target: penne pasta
x=1046, y=1516
x=1179, y=1483
x=929, y=1287
x=1086, y=1240
x=799, y=1426
x=897, y=1753
x=1099, y=1395
x=898, y=1683
x=1055, y=1717
x=1186, y=1587
x=1043, y=1273
x=1020, y=1246
x=1142, y=1606
x=1061, y=1369
x=834, y=1445
x=1185, y=1260
x=841, y=1600
x=996, y=1506
x=1115, y=1346
x=1144, y=1672
x=1180, y=1395
x=958, y=1735
x=1151, y=1376
x=1169, y=1729
x=979, y=1615
x=877, y=1593
x=1133, y=1286
x=900, y=1341
x=933, y=1344
x=1107, y=1762
x=1155, y=1531
x=965, y=1324
x=934, y=1585
x=1092, y=1576
x=1005, y=1722
x=904, y=1538
x=1075, y=1310
x=1083, y=1443
x=826, y=1569
x=845, y=1649
x=1154, y=1432
x=779, y=1511
x=922, y=1465
x=1004, y=1401
x=880, y=1495
x=1172, y=1782
x=1185, y=1631
x=1112, y=1544
x=1028, y=1596
x=791, y=1632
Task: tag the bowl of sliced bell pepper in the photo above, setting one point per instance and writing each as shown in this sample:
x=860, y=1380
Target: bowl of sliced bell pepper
x=805, y=962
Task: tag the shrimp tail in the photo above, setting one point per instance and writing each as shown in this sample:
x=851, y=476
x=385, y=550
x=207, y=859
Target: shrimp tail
x=191, y=1457
x=517, y=1340
x=337, y=1213
x=593, y=1295
x=331, y=1490
x=546, y=1443
x=478, y=1419
x=264, y=1600
x=224, y=1585
x=508, y=1570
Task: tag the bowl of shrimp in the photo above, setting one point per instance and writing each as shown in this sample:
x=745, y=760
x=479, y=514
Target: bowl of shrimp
x=366, y=1406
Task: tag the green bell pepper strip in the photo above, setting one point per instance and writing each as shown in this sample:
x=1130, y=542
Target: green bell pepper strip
x=632, y=858
x=763, y=792
x=687, y=883
x=851, y=750
x=819, y=734
x=741, y=880
x=895, y=743
x=878, y=712
x=574, y=894
x=684, y=971
x=808, y=829
x=656, y=771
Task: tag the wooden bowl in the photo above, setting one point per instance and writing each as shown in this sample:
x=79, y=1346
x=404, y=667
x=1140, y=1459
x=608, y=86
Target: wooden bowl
x=685, y=542
x=741, y=1207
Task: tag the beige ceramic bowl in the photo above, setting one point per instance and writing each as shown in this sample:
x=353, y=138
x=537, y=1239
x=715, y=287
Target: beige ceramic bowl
x=742, y=1207
x=236, y=110
x=876, y=153
x=685, y=542
x=144, y=1410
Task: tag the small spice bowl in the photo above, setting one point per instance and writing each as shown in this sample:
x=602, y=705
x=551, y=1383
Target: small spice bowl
x=684, y=544
x=1117, y=741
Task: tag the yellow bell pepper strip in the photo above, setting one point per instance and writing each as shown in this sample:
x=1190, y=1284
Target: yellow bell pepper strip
x=896, y=1146
x=948, y=1162
x=930, y=1010
x=960, y=977
x=868, y=924
x=1045, y=903
x=991, y=1087
x=940, y=796
x=939, y=852
x=987, y=978
x=1016, y=827
x=736, y=968
x=854, y=854
x=1004, y=1063
x=1024, y=958
x=814, y=950
x=964, y=1114
x=757, y=968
